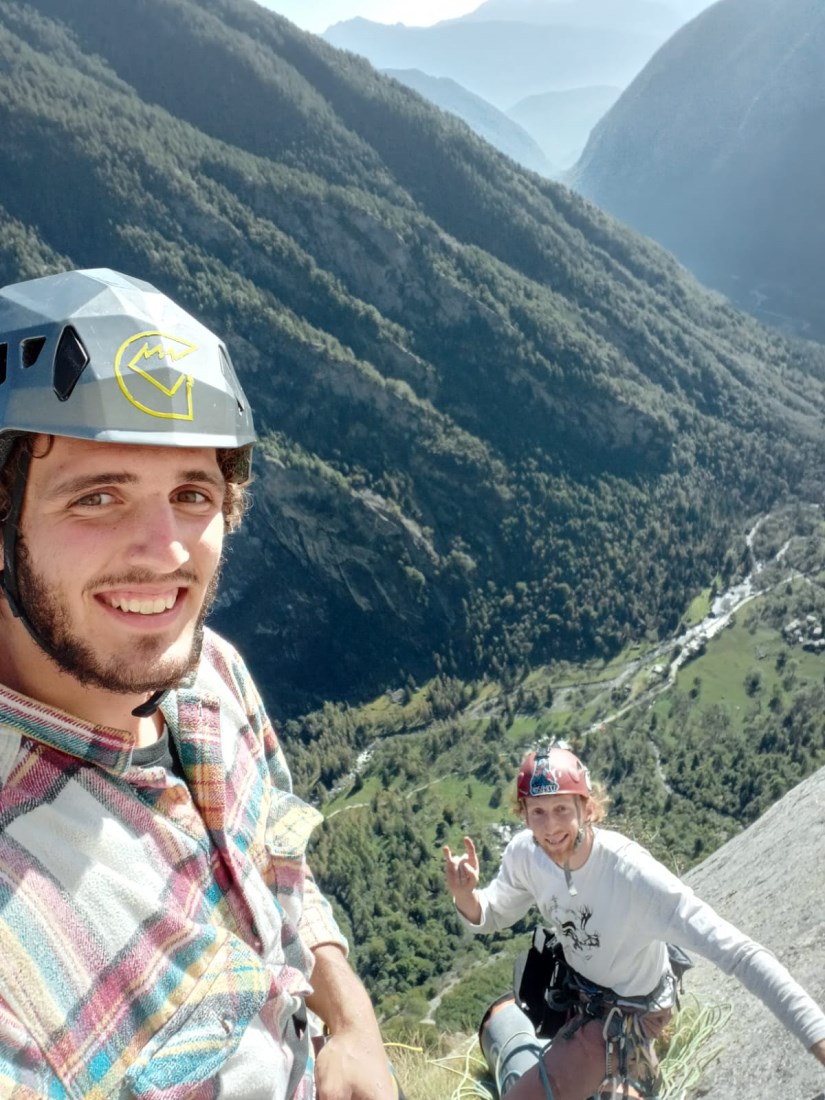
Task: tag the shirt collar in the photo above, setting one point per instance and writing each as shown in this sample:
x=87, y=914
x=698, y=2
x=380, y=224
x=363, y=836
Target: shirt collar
x=109, y=748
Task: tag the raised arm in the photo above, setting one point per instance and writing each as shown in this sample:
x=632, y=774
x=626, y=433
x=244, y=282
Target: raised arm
x=461, y=872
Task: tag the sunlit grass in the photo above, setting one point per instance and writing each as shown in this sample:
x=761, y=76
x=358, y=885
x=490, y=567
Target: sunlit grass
x=456, y=1072
x=698, y=609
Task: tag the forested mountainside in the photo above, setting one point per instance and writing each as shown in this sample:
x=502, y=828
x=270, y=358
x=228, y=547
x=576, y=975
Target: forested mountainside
x=497, y=428
x=717, y=150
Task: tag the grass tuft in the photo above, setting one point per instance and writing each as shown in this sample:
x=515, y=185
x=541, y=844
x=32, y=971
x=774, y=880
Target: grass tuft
x=456, y=1071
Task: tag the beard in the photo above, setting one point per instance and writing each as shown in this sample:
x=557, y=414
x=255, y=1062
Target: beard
x=146, y=669
x=564, y=852
x=561, y=854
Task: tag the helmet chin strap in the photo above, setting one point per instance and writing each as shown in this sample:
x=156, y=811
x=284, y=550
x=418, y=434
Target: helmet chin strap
x=9, y=585
x=147, y=709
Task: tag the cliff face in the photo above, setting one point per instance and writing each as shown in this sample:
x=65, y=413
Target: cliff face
x=768, y=882
x=318, y=555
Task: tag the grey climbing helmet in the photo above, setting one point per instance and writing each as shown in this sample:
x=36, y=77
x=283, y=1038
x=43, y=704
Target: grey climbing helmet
x=99, y=355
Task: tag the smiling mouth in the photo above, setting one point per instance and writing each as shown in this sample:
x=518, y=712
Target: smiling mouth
x=150, y=605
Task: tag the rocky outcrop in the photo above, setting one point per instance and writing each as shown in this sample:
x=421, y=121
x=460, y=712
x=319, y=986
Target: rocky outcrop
x=767, y=881
x=339, y=563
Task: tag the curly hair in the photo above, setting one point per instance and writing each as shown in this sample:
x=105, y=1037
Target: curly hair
x=21, y=443
x=235, y=466
x=233, y=463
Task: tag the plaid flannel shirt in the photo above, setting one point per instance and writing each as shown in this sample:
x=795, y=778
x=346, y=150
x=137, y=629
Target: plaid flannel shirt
x=145, y=922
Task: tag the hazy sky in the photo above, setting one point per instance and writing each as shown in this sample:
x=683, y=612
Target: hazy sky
x=317, y=15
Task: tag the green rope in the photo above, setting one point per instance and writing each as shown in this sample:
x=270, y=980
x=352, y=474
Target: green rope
x=691, y=1048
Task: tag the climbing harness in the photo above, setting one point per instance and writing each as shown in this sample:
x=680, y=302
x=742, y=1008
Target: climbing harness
x=558, y=1001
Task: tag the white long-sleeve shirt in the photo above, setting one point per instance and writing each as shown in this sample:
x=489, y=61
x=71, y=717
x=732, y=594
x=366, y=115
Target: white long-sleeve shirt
x=626, y=908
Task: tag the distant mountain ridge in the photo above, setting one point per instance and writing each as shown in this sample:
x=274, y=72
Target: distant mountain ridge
x=642, y=15
x=550, y=57
x=497, y=428
x=539, y=61
x=560, y=122
x=502, y=132
x=717, y=150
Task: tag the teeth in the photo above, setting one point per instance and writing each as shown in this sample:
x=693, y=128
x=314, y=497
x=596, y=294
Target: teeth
x=153, y=606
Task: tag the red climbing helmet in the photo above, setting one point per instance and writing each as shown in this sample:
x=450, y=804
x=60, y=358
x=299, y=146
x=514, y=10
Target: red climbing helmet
x=553, y=771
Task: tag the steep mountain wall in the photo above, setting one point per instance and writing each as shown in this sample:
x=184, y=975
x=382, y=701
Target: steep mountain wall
x=717, y=150
x=768, y=881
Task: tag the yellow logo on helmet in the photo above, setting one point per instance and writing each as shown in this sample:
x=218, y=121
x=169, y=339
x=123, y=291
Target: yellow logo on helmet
x=146, y=373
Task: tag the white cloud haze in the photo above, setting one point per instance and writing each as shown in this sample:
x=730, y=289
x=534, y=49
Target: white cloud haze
x=317, y=15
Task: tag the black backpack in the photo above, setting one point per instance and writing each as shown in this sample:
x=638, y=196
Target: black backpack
x=541, y=984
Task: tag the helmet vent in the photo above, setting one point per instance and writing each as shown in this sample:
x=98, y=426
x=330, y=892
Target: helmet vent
x=69, y=363
x=4, y=356
x=30, y=350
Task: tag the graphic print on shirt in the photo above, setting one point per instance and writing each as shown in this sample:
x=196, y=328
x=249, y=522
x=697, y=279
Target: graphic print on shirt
x=572, y=925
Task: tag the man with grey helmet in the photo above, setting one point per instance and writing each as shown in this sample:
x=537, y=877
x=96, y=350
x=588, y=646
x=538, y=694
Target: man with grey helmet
x=161, y=934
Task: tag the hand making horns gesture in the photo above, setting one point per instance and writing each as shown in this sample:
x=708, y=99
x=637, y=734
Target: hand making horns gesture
x=462, y=870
